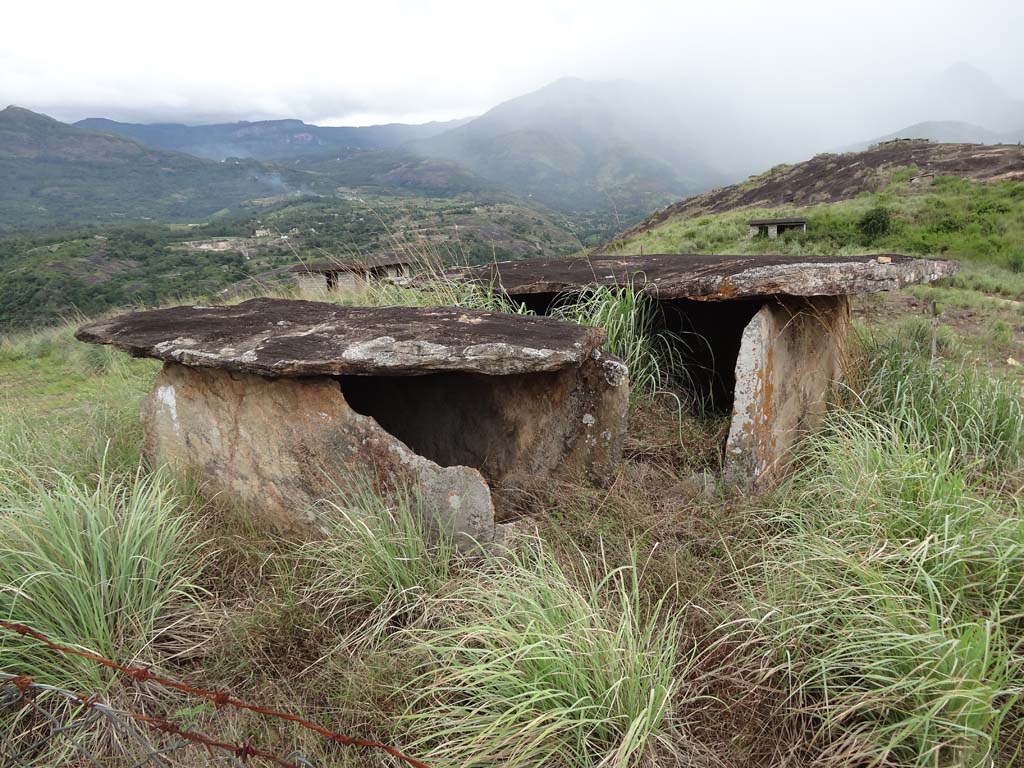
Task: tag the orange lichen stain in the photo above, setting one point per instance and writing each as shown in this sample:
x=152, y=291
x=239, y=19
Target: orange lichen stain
x=726, y=290
x=762, y=421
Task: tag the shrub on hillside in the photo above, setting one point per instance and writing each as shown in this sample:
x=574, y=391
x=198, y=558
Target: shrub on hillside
x=1015, y=260
x=875, y=223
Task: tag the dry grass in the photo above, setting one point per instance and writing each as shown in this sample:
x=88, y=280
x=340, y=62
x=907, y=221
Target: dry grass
x=768, y=604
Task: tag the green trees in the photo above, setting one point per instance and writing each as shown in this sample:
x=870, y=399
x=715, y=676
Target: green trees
x=875, y=223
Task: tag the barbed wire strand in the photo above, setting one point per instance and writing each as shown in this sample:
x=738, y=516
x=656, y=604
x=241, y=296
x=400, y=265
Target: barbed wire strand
x=25, y=692
x=220, y=698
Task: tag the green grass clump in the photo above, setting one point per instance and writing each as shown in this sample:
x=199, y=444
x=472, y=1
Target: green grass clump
x=59, y=343
x=70, y=406
x=379, y=556
x=890, y=598
x=634, y=325
x=537, y=665
x=108, y=567
x=960, y=413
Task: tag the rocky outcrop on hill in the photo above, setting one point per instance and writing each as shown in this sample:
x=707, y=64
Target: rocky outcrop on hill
x=828, y=177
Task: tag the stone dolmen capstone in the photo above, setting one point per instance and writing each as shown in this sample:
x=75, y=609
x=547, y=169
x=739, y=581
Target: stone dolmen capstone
x=276, y=402
x=763, y=337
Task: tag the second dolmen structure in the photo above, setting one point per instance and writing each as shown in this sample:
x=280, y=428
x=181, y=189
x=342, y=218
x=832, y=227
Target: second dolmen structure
x=761, y=337
x=772, y=228
x=278, y=403
x=350, y=274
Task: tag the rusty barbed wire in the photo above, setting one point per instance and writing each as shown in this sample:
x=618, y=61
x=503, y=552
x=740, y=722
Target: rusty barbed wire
x=20, y=690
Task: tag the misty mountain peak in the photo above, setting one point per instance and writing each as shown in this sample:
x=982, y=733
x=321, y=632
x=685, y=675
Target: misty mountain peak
x=966, y=76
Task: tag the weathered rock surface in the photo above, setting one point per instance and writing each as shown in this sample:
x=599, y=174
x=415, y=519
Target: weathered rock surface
x=790, y=358
x=276, y=403
x=278, y=446
x=279, y=337
x=714, y=278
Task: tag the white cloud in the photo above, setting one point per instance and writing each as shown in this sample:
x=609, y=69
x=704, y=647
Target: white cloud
x=335, y=62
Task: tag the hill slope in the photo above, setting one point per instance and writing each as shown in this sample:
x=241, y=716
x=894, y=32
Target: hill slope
x=58, y=174
x=266, y=139
x=577, y=145
x=829, y=178
x=964, y=201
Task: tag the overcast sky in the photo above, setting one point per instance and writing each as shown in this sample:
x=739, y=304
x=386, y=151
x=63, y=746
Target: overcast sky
x=345, y=63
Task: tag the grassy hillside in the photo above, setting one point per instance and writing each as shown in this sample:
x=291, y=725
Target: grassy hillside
x=945, y=216
x=912, y=166
x=866, y=612
x=66, y=273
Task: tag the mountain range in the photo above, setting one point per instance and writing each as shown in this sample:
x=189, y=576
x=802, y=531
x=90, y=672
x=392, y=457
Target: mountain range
x=266, y=139
x=602, y=153
x=55, y=174
x=571, y=145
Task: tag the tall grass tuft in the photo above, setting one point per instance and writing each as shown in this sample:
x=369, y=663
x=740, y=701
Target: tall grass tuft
x=107, y=567
x=890, y=600
x=536, y=665
x=635, y=329
x=379, y=558
x=959, y=411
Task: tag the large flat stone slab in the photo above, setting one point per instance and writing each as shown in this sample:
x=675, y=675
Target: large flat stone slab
x=280, y=337
x=713, y=277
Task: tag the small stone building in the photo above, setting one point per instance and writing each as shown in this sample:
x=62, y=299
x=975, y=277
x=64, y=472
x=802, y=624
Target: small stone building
x=277, y=404
x=350, y=274
x=761, y=338
x=772, y=228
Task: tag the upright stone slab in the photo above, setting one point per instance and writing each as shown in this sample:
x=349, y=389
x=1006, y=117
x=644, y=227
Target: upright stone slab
x=278, y=446
x=791, y=356
x=276, y=403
